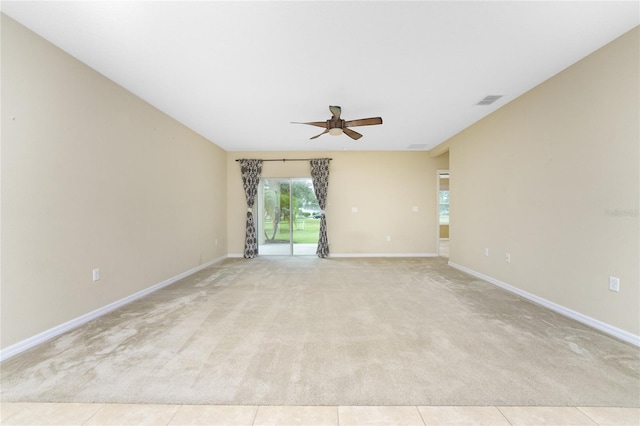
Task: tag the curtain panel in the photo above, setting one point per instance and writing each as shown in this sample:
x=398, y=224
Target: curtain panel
x=320, y=178
x=250, y=170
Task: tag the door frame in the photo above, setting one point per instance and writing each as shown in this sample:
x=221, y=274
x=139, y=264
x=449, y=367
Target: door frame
x=292, y=223
x=439, y=174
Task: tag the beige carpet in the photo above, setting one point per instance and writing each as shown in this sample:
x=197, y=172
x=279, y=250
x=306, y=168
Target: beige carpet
x=307, y=331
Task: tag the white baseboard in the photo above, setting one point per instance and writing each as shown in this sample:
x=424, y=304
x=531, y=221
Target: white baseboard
x=83, y=319
x=591, y=322
x=359, y=255
x=383, y=255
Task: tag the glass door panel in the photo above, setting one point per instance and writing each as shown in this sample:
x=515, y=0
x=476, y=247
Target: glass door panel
x=273, y=217
x=305, y=217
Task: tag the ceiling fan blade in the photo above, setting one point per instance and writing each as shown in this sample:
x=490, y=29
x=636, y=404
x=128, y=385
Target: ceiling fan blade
x=317, y=136
x=363, y=122
x=312, y=123
x=352, y=134
x=335, y=111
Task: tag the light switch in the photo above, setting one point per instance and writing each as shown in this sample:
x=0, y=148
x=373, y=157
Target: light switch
x=614, y=284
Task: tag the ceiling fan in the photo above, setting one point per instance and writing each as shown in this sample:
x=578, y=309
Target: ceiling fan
x=336, y=126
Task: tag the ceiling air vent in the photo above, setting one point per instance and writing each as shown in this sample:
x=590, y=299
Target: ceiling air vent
x=488, y=100
x=418, y=146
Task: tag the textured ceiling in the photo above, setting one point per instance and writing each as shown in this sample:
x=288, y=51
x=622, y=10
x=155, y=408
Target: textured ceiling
x=239, y=72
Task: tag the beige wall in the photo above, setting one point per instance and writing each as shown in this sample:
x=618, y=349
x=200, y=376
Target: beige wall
x=384, y=186
x=552, y=178
x=93, y=177
x=444, y=231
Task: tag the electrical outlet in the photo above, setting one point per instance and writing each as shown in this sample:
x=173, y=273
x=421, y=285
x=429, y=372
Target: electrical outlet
x=388, y=237
x=354, y=210
x=486, y=252
x=614, y=284
x=507, y=257
x=96, y=274
x=415, y=209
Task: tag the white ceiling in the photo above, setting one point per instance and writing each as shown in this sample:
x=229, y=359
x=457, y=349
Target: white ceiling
x=239, y=72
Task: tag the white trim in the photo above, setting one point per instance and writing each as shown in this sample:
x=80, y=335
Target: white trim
x=83, y=319
x=347, y=255
x=438, y=224
x=383, y=255
x=235, y=255
x=591, y=322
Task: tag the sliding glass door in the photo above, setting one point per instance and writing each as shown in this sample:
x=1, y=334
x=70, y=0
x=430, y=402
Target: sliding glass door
x=288, y=217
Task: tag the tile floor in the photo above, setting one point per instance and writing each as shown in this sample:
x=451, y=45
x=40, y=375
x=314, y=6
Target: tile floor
x=211, y=415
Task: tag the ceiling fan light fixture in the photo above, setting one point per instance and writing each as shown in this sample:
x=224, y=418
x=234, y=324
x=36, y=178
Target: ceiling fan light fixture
x=336, y=131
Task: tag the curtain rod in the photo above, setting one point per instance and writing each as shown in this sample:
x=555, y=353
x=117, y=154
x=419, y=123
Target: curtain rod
x=293, y=159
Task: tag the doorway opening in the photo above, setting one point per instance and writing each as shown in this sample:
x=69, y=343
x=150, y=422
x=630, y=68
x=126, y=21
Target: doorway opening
x=443, y=213
x=288, y=217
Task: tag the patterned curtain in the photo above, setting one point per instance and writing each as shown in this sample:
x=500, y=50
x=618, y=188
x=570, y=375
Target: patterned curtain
x=320, y=177
x=250, y=170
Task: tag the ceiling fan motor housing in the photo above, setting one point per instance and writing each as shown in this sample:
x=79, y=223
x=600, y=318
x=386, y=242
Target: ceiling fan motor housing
x=335, y=124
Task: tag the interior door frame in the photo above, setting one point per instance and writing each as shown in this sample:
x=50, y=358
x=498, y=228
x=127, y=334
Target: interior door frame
x=439, y=174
